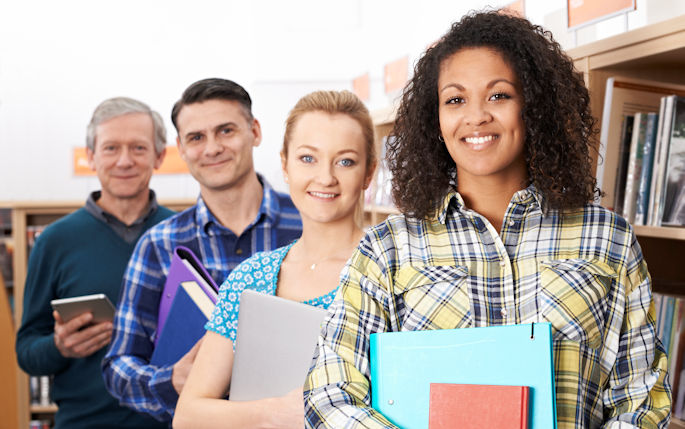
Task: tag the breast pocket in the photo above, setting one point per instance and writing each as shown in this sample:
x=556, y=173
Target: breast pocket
x=433, y=297
x=574, y=298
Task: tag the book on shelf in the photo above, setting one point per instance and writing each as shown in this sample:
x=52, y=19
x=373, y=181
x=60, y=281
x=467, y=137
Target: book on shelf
x=670, y=329
x=6, y=257
x=645, y=180
x=623, y=157
x=634, y=166
x=657, y=199
x=625, y=96
x=674, y=186
x=40, y=390
x=478, y=406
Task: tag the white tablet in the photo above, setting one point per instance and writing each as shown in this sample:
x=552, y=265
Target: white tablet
x=98, y=304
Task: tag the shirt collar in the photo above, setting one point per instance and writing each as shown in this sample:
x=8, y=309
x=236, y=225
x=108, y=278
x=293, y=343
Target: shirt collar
x=269, y=208
x=454, y=200
x=99, y=213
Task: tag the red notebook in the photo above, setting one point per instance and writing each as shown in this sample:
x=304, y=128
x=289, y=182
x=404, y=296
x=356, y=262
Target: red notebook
x=477, y=406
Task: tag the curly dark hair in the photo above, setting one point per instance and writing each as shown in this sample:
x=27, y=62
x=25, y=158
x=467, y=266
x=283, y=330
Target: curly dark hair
x=560, y=130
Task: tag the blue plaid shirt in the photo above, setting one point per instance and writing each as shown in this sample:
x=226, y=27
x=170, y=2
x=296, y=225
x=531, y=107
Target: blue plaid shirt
x=128, y=375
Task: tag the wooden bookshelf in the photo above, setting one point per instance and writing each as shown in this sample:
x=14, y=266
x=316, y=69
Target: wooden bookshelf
x=653, y=52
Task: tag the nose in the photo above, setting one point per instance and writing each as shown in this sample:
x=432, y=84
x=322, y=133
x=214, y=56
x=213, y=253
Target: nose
x=125, y=159
x=325, y=175
x=477, y=113
x=213, y=147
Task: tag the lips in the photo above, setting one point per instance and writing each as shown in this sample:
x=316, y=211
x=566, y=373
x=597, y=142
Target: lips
x=324, y=195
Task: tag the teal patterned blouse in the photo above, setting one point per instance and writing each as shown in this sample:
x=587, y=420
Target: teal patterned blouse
x=260, y=273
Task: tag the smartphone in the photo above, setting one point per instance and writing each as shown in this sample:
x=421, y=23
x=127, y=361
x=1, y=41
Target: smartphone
x=98, y=304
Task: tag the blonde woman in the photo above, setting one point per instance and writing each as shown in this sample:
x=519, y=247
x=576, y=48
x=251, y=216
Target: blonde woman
x=328, y=160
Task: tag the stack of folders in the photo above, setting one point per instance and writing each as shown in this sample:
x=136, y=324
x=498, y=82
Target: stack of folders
x=498, y=376
x=186, y=304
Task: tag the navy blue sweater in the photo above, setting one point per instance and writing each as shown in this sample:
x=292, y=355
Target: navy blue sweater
x=76, y=255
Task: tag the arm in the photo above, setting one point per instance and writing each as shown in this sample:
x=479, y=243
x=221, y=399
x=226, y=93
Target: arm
x=638, y=393
x=126, y=370
x=37, y=353
x=337, y=391
x=201, y=404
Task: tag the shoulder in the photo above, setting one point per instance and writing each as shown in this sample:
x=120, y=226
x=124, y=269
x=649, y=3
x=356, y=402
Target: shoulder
x=163, y=212
x=69, y=225
x=261, y=261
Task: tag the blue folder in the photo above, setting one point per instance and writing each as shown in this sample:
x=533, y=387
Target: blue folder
x=403, y=364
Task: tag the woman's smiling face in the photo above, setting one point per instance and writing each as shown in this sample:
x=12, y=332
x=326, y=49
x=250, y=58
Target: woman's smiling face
x=480, y=105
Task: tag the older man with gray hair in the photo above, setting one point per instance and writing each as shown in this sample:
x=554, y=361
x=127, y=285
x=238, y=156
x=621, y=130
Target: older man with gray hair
x=85, y=253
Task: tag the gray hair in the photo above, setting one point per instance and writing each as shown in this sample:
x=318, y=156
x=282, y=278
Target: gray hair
x=119, y=106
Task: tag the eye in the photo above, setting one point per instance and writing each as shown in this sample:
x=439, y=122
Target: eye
x=500, y=96
x=346, y=162
x=109, y=148
x=194, y=138
x=226, y=131
x=140, y=148
x=454, y=100
x=307, y=159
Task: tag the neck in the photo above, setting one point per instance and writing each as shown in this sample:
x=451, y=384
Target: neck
x=235, y=207
x=321, y=242
x=489, y=199
x=127, y=210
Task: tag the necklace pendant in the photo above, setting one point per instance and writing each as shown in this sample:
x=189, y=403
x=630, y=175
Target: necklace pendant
x=312, y=267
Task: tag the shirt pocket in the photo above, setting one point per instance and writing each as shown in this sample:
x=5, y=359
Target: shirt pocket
x=433, y=297
x=574, y=298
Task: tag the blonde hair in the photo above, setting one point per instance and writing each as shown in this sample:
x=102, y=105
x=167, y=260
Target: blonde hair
x=334, y=102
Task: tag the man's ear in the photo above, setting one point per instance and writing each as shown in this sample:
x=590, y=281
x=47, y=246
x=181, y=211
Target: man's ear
x=256, y=132
x=90, y=155
x=160, y=159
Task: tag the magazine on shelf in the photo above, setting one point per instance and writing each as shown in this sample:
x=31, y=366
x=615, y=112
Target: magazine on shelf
x=674, y=186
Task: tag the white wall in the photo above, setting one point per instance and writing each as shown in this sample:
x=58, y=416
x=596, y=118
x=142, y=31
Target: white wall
x=59, y=59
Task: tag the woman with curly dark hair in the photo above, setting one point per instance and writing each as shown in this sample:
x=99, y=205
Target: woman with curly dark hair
x=492, y=172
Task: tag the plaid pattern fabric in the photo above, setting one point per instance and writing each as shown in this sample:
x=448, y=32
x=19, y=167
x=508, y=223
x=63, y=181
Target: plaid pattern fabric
x=583, y=272
x=127, y=374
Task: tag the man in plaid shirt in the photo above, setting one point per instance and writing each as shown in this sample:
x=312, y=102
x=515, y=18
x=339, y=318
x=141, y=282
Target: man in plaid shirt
x=236, y=215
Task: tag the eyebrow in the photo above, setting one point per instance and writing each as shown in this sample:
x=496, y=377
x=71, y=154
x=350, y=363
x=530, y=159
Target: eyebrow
x=313, y=149
x=214, y=129
x=489, y=85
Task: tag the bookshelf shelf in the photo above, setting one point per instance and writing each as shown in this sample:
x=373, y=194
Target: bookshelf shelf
x=669, y=233
x=43, y=409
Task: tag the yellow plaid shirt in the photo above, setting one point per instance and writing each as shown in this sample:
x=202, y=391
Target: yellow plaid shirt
x=583, y=272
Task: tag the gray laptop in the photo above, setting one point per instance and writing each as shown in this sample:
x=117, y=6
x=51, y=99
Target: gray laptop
x=275, y=342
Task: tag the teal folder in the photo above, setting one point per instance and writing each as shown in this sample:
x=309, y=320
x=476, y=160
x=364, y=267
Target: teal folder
x=403, y=364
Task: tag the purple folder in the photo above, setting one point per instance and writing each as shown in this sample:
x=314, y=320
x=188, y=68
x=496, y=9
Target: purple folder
x=180, y=271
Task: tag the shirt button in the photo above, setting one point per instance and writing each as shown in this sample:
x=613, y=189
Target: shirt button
x=503, y=312
x=239, y=252
x=512, y=222
x=502, y=264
